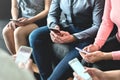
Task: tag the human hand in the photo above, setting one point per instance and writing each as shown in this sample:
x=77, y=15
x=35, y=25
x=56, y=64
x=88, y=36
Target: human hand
x=23, y=21
x=27, y=66
x=11, y=25
x=62, y=37
x=91, y=48
x=96, y=74
x=94, y=56
x=77, y=77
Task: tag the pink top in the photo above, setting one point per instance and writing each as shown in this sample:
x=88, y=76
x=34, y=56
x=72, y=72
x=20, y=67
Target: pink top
x=111, y=15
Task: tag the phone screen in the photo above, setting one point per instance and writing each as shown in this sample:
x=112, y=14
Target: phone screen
x=80, y=50
x=23, y=54
x=79, y=69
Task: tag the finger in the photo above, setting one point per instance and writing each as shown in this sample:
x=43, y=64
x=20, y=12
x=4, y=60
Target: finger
x=29, y=65
x=55, y=38
x=52, y=37
x=21, y=65
x=14, y=57
x=77, y=77
x=82, y=54
x=75, y=74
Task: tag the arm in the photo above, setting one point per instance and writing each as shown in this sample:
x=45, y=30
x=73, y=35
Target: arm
x=54, y=14
x=14, y=9
x=42, y=14
x=106, y=24
x=112, y=75
x=97, y=15
x=97, y=74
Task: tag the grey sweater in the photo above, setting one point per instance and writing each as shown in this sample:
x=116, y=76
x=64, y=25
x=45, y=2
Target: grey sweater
x=87, y=14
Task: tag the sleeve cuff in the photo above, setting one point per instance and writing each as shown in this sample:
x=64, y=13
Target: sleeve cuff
x=116, y=55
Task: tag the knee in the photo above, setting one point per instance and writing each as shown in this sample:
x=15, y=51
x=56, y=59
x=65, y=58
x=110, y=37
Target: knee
x=37, y=35
x=6, y=31
x=32, y=37
x=19, y=33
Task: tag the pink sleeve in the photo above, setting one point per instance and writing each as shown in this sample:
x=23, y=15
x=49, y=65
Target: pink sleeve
x=116, y=55
x=105, y=27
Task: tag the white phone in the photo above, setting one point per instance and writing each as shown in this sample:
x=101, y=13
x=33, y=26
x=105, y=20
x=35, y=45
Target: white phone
x=80, y=50
x=23, y=54
x=79, y=69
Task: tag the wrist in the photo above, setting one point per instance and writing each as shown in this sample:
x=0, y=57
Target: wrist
x=97, y=46
x=107, y=56
x=75, y=38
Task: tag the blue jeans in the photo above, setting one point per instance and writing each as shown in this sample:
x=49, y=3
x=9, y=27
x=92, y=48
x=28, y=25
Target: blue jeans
x=43, y=55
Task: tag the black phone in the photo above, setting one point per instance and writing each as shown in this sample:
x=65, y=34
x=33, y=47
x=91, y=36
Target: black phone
x=55, y=30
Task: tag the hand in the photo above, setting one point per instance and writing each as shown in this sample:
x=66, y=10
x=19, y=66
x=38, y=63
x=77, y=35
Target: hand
x=12, y=25
x=96, y=74
x=91, y=48
x=23, y=21
x=27, y=66
x=94, y=56
x=77, y=77
x=62, y=37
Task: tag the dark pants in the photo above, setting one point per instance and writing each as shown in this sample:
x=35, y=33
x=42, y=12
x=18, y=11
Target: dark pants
x=111, y=45
x=43, y=55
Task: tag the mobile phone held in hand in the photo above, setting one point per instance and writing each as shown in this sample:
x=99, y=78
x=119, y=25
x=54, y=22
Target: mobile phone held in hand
x=79, y=69
x=80, y=50
x=15, y=20
x=23, y=54
x=55, y=30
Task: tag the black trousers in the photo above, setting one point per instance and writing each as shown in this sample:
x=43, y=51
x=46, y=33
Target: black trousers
x=112, y=44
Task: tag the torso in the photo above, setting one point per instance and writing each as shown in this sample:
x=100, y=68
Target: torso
x=30, y=8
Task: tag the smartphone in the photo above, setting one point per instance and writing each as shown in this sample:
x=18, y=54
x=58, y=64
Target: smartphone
x=80, y=50
x=55, y=30
x=15, y=20
x=79, y=69
x=23, y=54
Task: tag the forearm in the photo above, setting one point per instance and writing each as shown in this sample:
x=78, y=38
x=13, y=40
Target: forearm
x=112, y=75
x=43, y=13
x=88, y=33
x=39, y=16
x=14, y=13
x=107, y=56
x=14, y=9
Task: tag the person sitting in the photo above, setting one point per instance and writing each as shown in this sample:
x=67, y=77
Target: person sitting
x=11, y=71
x=27, y=15
x=83, y=19
x=104, y=52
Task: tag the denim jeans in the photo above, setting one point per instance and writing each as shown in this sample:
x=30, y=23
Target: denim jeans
x=43, y=55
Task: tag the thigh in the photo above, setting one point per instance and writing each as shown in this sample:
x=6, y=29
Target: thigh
x=106, y=65
x=40, y=33
x=62, y=68
x=112, y=44
x=26, y=30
